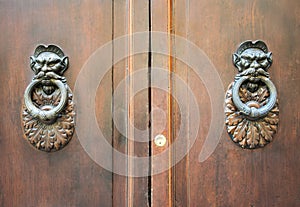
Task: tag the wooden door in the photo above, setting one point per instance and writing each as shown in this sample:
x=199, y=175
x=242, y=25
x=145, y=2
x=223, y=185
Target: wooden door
x=232, y=176
x=145, y=102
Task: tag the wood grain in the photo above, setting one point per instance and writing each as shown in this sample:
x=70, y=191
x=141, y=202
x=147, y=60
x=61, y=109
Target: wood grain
x=232, y=176
x=29, y=177
x=161, y=123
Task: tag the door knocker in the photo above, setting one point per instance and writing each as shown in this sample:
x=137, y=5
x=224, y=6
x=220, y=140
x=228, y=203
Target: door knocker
x=251, y=105
x=48, y=108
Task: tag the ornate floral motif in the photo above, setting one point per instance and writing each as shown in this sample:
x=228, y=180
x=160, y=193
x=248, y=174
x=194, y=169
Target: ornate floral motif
x=49, y=136
x=246, y=132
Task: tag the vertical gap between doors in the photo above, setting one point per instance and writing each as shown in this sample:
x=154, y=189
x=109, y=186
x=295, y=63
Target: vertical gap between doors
x=150, y=107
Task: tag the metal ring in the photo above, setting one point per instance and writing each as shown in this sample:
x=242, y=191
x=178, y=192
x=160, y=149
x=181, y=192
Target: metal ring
x=42, y=114
x=252, y=111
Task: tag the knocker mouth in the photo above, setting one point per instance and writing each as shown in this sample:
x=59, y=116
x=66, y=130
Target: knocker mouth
x=47, y=82
x=255, y=75
x=48, y=86
x=254, y=79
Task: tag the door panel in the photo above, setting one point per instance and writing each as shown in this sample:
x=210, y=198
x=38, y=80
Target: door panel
x=232, y=176
x=30, y=177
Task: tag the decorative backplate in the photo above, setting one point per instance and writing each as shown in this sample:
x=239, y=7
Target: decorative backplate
x=251, y=105
x=48, y=109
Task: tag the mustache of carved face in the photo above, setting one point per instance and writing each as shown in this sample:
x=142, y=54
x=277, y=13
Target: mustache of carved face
x=260, y=71
x=47, y=76
x=254, y=74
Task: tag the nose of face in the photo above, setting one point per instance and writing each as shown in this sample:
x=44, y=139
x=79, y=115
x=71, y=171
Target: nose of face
x=254, y=64
x=45, y=68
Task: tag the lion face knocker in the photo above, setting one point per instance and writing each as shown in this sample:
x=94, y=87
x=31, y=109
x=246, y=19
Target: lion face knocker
x=251, y=105
x=48, y=109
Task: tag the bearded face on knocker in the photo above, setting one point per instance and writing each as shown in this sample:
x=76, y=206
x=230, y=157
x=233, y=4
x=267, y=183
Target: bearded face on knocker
x=49, y=63
x=254, y=62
